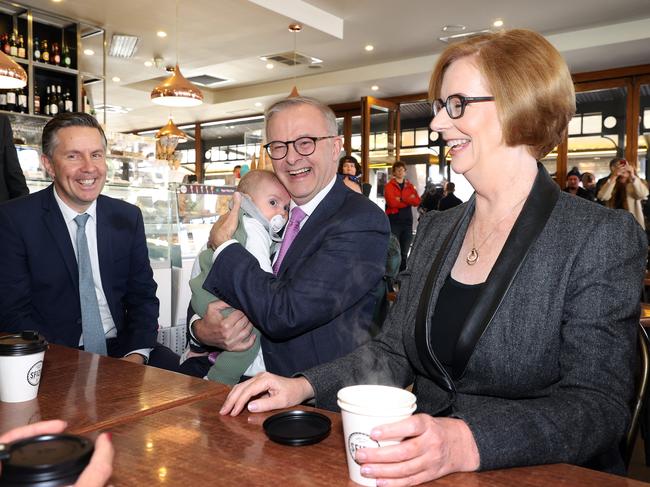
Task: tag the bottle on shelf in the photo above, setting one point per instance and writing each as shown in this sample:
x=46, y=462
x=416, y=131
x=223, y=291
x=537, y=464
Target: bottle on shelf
x=21, y=47
x=6, y=48
x=60, y=102
x=55, y=55
x=11, y=101
x=37, y=49
x=13, y=45
x=48, y=100
x=54, y=102
x=37, y=101
x=67, y=102
x=67, y=60
x=45, y=51
x=22, y=100
x=3, y=100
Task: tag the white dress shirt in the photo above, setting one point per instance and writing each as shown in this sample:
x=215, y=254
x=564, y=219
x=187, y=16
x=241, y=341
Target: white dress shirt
x=110, y=331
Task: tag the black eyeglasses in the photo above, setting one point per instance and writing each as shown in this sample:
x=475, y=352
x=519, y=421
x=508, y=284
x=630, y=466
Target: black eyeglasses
x=455, y=104
x=305, y=146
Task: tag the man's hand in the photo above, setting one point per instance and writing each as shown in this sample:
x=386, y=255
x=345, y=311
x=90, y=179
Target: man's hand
x=135, y=358
x=233, y=333
x=224, y=228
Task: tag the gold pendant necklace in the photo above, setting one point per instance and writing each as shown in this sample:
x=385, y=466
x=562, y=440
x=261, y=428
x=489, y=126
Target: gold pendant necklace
x=472, y=255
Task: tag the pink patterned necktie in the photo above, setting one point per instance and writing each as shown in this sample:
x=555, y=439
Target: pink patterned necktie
x=293, y=227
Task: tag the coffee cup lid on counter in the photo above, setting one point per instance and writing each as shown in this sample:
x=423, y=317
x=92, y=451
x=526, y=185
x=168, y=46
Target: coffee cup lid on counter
x=23, y=343
x=47, y=460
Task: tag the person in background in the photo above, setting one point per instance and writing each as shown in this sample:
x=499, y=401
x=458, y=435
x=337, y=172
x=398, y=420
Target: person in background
x=100, y=467
x=624, y=190
x=401, y=196
x=236, y=171
x=12, y=180
x=263, y=214
x=612, y=171
x=350, y=170
x=518, y=336
x=317, y=304
x=449, y=199
x=75, y=264
x=589, y=184
x=430, y=198
x=573, y=185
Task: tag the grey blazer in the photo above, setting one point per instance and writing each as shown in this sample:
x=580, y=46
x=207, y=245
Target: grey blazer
x=543, y=370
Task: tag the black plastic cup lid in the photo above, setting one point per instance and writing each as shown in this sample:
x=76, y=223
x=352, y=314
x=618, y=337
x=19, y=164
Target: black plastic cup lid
x=24, y=343
x=297, y=428
x=45, y=460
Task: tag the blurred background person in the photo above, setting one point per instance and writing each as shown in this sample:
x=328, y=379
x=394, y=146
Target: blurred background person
x=351, y=171
x=401, y=196
x=430, y=198
x=573, y=184
x=12, y=180
x=589, y=185
x=449, y=200
x=624, y=190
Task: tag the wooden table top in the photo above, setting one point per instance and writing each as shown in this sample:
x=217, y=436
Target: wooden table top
x=192, y=444
x=92, y=392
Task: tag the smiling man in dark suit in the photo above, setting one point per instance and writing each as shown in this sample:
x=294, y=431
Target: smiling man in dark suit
x=75, y=263
x=318, y=303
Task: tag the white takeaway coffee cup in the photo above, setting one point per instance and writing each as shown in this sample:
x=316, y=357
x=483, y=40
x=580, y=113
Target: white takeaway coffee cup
x=362, y=408
x=21, y=361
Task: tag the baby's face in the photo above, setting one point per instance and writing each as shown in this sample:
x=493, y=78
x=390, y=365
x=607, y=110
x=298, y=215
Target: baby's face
x=271, y=199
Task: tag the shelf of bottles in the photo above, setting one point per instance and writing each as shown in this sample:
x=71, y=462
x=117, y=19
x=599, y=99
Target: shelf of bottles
x=47, y=48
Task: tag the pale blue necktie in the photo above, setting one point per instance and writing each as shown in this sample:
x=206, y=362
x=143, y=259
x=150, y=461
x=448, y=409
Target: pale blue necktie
x=91, y=322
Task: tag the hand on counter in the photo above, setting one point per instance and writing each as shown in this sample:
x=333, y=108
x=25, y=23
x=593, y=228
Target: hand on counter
x=100, y=468
x=281, y=392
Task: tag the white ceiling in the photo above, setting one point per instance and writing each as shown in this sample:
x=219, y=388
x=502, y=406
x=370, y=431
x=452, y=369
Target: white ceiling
x=225, y=38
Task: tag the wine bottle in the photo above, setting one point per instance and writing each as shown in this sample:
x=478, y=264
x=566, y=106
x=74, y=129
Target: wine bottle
x=48, y=100
x=37, y=101
x=67, y=101
x=6, y=48
x=60, y=102
x=22, y=100
x=45, y=51
x=3, y=100
x=11, y=100
x=56, y=54
x=67, y=60
x=13, y=45
x=54, y=103
x=21, y=47
x=37, y=49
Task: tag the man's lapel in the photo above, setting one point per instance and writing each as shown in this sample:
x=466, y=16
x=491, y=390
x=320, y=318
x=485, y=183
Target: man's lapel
x=104, y=244
x=54, y=222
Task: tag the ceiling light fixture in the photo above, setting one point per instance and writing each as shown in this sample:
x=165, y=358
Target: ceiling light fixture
x=454, y=28
x=148, y=64
x=161, y=33
x=89, y=52
x=294, y=28
x=116, y=79
x=258, y=104
x=497, y=23
x=374, y=87
x=270, y=65
x=167, y=138
x=176, y=91
x=123, y=45
x=369, y=47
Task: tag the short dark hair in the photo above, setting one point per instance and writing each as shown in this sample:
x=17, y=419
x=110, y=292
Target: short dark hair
x=65, y=120
x=351, y=159
x=397, y=165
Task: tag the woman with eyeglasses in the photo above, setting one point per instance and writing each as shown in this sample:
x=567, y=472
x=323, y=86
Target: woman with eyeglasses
x=515, y=326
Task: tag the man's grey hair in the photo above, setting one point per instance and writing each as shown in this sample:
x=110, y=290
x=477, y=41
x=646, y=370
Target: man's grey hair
x=64, y=120
x=285, y=103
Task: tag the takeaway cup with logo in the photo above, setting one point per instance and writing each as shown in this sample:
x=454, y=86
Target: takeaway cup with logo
x=21, y=361
x=362, y=408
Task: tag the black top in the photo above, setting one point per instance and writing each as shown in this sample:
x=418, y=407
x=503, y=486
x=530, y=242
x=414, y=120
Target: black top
x=448, y=320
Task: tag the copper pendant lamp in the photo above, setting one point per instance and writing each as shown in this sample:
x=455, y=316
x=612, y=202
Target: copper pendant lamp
x=12, y=75
x=176, y=91
x=171, y=130
x=167, y=138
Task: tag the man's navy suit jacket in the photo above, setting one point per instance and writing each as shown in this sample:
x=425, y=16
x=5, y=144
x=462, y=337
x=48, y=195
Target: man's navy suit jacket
x=319, y=306
x=39, y=280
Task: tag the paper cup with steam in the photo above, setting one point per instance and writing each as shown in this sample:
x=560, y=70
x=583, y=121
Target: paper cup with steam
x=362, y=408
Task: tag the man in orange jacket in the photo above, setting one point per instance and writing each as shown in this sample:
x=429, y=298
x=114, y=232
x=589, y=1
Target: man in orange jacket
x=401, y=195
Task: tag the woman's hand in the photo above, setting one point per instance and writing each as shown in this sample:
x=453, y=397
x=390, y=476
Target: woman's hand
x=100, y=468
x=432, y=448
x=279, y=392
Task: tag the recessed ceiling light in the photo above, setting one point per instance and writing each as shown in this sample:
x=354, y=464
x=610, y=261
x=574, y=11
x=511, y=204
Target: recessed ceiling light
x=454, y=28
x=161, y=33
x=116, y=79
x=56, y=1
x=369, y=47
x=89, y=52
x=258, y=104
x=497, y=23
x=270, y=65
x=148, y=64
x=374, y=87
